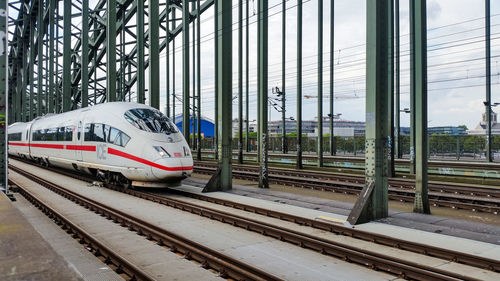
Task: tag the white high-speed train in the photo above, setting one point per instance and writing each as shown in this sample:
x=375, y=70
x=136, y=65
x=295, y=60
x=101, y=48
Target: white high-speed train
x=127, y=143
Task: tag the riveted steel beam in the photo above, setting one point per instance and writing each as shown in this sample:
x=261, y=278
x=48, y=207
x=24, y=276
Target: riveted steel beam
x=397, y=141
x=377, y=92
x=299, y=84
x=66, y=75
x=320, y=83
x=85, y=51
x=240, y=82
x=487, y=40
x=419, y=39
x=40, y=35
x=111, y=51
x=4, y=98
x=262, y=86
x=141, y=88
x=225, y=89
x=185, y=69
x=332, y=90
x=154, y=54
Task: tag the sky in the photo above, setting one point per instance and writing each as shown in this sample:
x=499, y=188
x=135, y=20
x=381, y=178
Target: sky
x=456, y=73
x=456, y=59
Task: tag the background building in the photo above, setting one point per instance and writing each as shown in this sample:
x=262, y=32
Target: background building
x=480, y=130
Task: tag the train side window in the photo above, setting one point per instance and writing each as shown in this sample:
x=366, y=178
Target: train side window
x=60, y=134
x=112, y=135
x=69, y=133
x=99, y=134
x=89, y=132
x=107, y=128
x=124, y=139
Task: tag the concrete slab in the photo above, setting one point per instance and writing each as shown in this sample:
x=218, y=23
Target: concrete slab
x=271, y=255
x=24, y=254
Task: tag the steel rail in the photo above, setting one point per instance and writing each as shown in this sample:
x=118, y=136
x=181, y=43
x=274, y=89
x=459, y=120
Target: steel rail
x=441, y=195
x=227, y=266
x=450, y=255
x=119, y=264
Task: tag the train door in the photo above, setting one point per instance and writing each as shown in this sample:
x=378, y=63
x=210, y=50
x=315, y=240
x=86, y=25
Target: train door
x=79, y=141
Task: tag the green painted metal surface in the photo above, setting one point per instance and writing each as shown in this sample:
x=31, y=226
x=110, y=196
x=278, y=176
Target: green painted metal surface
x=224, y=91
x=3, y=96
x=111, y=51
x=299, y=84
x=185, y=70
x=262, y=90
x=377, y=57
x=419, y=39
x=320, y=83
x=154, y=54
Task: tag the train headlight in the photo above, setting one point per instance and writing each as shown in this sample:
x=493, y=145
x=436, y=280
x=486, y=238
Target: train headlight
x=186, y=151
x=161, y=151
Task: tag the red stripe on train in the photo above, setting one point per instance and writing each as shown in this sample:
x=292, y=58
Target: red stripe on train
x=146, y=162
x=81, y=147
x=18, y=144
x=53, y=146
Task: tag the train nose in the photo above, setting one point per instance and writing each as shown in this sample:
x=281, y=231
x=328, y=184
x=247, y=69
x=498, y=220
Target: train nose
x=167, y=167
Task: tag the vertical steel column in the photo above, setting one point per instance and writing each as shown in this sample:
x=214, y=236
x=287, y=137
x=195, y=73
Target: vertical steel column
x=397, y=140
x=110, y=50
x=67, y=92
x=167, y=57
x=240, y=82
x=320, y=83
x=299, y=84
x=216, y=76
x=85, y=53
x=377, y=91
x=390, y=82
x=262, y=68
x=173, y=67
x=332, y=92
x=284, y=144
x=225, y=89
x=4, y=97
x=487, y=40
x=141, y=83
x=154, y=53
x=40, y=34
x=412, y=90
x=31, y=74
x=185, y=69
x=418, y=9
x=198, y=82
x=247, y=116
x=57, y=87
x=193, y=118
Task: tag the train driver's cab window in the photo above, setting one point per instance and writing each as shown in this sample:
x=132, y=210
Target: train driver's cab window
x=150, y=121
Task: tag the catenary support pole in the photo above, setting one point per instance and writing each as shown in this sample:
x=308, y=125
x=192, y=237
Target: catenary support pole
x=284, y=144
x=418, y=9
x=110, y=50
x=193, y=83
x=185, y=69
x=154, y=53
x=247, y=114
x=31, y=74
x=397, y=140
x=216, y=76
x=262, y=69
x=85, y=53
x=173, y=67
x=412, y=92
x=332, y=90
x=240, y=82
x=320, y=83
x=167, y=57
x=299, y=84
x=487, y=40
x=198, y=81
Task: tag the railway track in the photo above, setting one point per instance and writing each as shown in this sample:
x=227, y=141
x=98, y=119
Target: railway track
x=375, y=260
x=440, y=195
x=228, y=267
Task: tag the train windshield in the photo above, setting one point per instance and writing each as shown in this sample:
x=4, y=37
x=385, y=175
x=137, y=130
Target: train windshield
x=150, y=121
